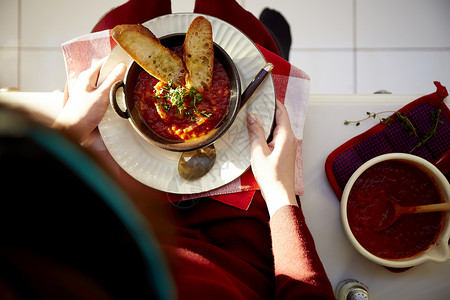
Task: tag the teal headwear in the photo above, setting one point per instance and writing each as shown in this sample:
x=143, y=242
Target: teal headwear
x=154, y=266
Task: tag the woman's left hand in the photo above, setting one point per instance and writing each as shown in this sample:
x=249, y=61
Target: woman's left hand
x=87, y=103
x=273, y=164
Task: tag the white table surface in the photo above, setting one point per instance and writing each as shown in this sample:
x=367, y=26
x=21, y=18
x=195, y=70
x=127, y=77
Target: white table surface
x=324, y=132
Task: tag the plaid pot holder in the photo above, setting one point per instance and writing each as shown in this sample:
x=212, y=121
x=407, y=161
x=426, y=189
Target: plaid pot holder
x=393, y=137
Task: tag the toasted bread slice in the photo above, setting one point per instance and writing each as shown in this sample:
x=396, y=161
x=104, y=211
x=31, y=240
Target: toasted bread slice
x=198, y=54
x=142, y=45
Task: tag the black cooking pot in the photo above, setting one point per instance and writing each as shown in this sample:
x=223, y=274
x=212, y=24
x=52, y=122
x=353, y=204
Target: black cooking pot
x=131, y=113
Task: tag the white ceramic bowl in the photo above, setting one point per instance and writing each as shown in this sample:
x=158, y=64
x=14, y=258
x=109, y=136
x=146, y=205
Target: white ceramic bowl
x=438, y=251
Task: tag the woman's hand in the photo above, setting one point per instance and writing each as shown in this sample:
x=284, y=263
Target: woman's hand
x=87, y=103
x=273, y=164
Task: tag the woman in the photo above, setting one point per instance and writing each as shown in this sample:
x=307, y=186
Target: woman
x=221, y=251
x=214, y=251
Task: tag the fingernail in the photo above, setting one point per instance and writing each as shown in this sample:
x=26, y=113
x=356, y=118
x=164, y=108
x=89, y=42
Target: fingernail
x=120, y=67
x=119, y=70
x=251, y=119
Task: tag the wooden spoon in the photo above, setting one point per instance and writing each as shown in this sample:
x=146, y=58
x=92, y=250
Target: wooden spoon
x=399, y=210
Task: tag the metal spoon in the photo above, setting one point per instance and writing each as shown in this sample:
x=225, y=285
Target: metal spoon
x=399, y=210
x=195, y=164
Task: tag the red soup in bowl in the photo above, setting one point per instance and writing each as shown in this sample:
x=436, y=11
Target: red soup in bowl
x=368, y=206
x=178, y=118
x=411, y=240
x=182, y=114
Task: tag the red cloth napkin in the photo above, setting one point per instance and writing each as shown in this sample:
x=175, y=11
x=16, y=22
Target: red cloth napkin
x=291, y=84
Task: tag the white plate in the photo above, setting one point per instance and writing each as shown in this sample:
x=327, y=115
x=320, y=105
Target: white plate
x=157, y=168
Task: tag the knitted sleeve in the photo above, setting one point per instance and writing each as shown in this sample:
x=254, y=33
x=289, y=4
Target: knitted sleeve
x=299, y=273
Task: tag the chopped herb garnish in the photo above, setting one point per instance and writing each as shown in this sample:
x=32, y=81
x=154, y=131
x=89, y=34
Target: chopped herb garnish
x=205, y=114
x=164, y=106
x=184, y=100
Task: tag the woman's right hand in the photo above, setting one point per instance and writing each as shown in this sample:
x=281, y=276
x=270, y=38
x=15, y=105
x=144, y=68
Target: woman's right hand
x=87, y=103
x=273, y=164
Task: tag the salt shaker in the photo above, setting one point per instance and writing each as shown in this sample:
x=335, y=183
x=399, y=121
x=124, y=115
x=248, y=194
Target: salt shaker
x=352, y=289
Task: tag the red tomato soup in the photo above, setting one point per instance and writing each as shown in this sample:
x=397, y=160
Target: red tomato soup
x=368, y=206
x=181, y=114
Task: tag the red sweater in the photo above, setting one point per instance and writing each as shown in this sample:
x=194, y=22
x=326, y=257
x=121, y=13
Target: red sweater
x=223, y=252
x=226, y=253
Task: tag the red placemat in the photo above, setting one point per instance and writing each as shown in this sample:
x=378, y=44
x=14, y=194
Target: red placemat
x=392, y=137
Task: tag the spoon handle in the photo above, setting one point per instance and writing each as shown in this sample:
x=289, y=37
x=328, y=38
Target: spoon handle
x=433, y=207
x=255, y=83
x=443, y=162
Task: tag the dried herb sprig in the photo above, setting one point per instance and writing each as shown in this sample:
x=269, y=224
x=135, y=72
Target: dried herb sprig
x=435, y=115
x=370, y=115
x=406, y=123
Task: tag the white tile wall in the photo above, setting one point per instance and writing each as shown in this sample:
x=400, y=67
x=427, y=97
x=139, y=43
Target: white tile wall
x=402, y=71
x=403, y=23
x=49, y=23
x=9, y=74
x=404, y=48
x=330, y=70
x=9, y=38
x=346, y=46
x=314, y=24
x=9, y=18
x=42, y=69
